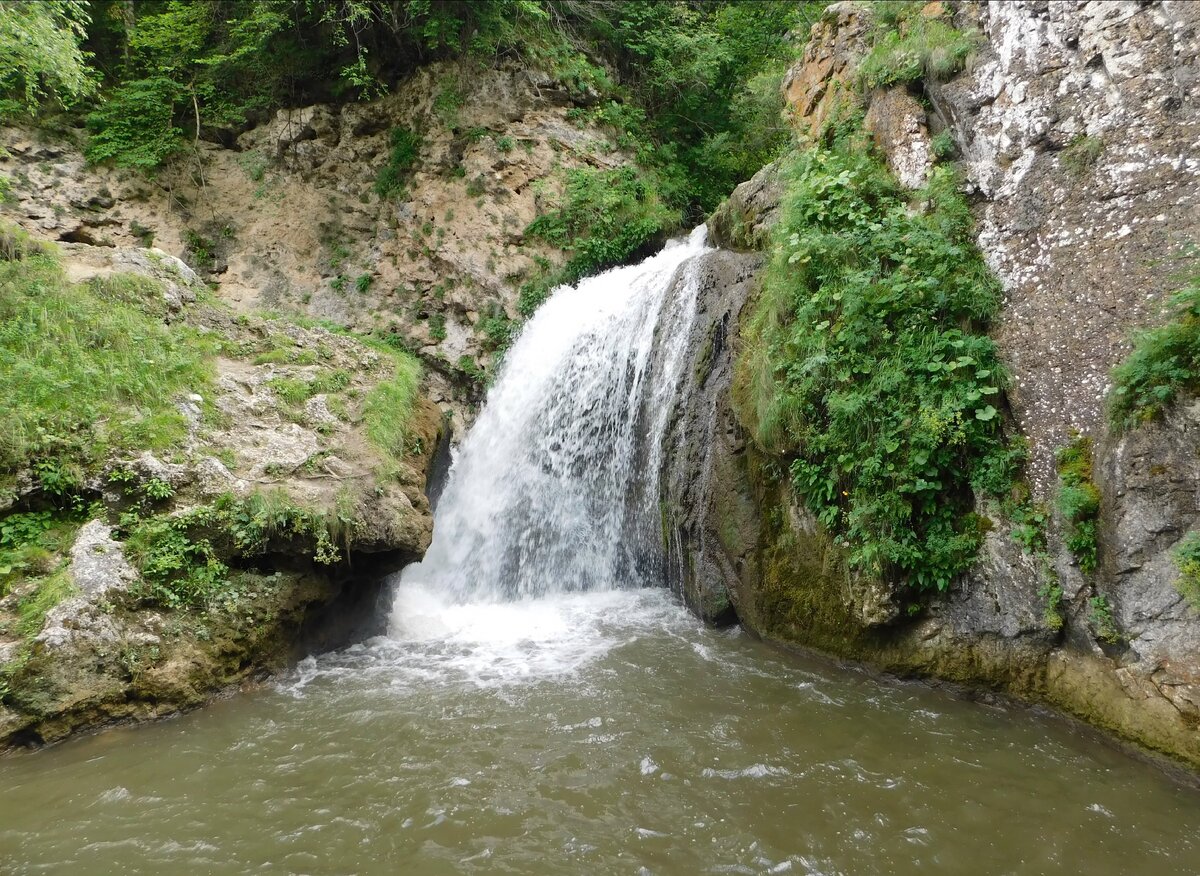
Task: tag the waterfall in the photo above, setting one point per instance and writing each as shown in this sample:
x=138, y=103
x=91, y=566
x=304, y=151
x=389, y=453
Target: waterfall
x=555, y=488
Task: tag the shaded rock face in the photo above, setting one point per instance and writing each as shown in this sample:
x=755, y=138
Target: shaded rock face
x=1152, y=499
x=1078, y=126
x=701, y=532
x=744, y=221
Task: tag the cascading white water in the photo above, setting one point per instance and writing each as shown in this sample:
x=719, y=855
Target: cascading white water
x=555, y=488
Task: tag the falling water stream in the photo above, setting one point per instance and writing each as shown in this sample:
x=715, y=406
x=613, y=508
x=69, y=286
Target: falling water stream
x=537, y=707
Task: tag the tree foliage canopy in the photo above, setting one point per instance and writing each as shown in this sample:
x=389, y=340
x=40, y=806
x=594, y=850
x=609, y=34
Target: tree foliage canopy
x=40, y=54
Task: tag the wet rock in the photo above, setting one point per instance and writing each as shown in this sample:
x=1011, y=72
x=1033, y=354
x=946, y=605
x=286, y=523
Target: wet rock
x=701, y=532
x=744, y=220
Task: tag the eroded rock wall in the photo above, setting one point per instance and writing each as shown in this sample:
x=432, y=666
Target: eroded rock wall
x=1077, y=126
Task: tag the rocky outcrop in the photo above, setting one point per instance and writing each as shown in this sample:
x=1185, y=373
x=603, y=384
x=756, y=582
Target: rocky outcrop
x=1076, y=124
x=821, y=83
x=286, y=216
x=701, y=439
x=281, y=479
x=744, y=220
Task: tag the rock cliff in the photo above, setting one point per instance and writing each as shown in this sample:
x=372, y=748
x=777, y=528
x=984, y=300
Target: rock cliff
x=1076, y=126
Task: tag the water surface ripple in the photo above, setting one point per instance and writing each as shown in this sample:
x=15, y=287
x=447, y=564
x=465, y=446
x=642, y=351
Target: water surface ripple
x=591, y=733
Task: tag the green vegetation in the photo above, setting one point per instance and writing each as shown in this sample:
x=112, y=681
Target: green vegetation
x=866, y=366
x=1079, y=501
x=296, y=391
x=405, y=150
x=1081, y=153
x=30, y=543
x=1101, y=618
x=943, y=146
x=606, y=216
x=1164, y=364
x=1187, y=561
x=40, y=55
x=437, y=327
x=909, y=44
x=87, y=370
x=183, y=558
x=1052, y=615
x=388, y=408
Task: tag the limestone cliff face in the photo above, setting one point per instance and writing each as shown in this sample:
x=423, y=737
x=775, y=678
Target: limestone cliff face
x=285, y=216
x=1078, y=127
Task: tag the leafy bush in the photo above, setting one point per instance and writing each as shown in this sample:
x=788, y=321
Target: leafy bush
x=943, y=146
x=26, y=544
x=1165, y=362
x=437, y=327
x=866, y=365
x=1079, y=501
x=184, y=557
x=1187, y=561
x=907, y=45
x=605, y=217
x=41, y=55
x=136, y=126
x=405, y=150
x=1101, y=618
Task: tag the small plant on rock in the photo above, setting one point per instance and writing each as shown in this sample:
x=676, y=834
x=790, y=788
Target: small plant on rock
x=1102, y=621
x=1187, y=561
x=1079, y=501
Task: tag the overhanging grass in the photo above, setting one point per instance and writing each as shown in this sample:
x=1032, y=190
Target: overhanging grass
x=388, y=409
x=1164, y=364
x=86, y=368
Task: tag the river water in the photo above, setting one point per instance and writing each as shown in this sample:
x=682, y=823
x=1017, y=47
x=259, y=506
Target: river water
x=591, y=733
x=536, y=708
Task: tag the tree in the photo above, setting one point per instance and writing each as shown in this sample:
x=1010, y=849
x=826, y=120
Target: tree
x=40, y=55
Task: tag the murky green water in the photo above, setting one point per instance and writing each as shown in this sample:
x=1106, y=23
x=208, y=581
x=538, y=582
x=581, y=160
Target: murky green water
x=590, y=734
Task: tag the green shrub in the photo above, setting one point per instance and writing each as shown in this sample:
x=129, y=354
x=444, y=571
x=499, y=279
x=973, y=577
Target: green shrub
x=866, y=367
x=1165, y=363
x=605, y=217
x=1052, y=615
x=29, y=542
x=907, y=45
x=1101, y=618
x=943, y=146
x=363, y=283
x=437, y=327
x=184, y=558
x=1079, y=502
x=405, y=148
x=1187, y=561
x=135, y=127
